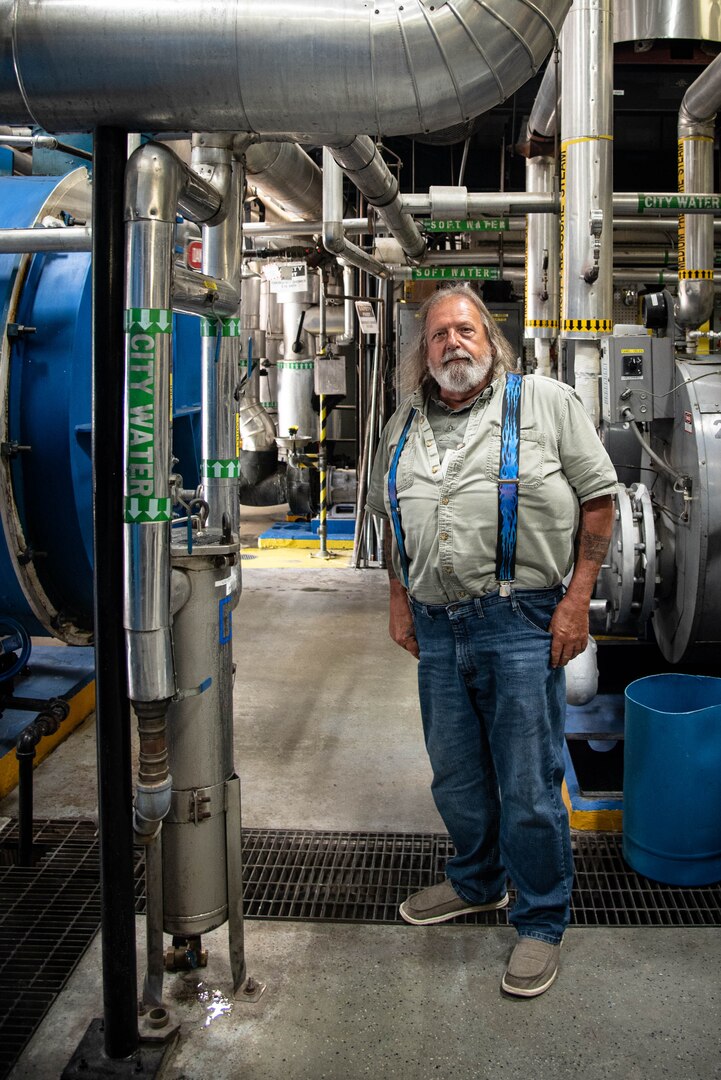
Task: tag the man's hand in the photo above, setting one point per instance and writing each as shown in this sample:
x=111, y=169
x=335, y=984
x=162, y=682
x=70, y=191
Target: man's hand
x=569, y=627
x=400, y=626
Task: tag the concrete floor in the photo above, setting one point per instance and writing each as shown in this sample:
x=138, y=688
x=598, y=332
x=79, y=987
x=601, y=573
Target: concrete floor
x=327, y=736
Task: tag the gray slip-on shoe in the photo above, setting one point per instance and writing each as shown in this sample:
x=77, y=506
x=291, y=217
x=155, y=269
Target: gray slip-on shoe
x=442, y=902
x=532, y=968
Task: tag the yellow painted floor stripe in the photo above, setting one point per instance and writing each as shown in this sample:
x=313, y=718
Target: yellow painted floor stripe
x=292, y=558
x=592, y=820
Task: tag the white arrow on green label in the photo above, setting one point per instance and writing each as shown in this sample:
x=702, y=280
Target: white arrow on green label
x=140, y=510
x=148, y=321
x=220, y=469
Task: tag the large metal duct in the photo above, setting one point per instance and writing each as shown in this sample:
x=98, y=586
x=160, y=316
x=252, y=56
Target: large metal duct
x=696, y=125
x=257, y=65
x=645, y=20
x=286, y=173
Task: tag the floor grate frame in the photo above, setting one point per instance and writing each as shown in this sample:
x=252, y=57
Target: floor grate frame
x=50, y=912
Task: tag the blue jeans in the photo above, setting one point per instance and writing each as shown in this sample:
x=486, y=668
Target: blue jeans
x=493, y=713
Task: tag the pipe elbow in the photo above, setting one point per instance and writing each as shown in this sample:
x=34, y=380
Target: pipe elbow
x=694, y=303
x=153, y=181
x=334, y=240
x=152, y=804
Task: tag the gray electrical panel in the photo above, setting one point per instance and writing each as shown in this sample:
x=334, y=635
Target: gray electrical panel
x=637, y=377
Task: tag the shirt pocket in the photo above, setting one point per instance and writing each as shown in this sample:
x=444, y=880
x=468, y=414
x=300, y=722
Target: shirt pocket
x=406, y=465
x=532, y=452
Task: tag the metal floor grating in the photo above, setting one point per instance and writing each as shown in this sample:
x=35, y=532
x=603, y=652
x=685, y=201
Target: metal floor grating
x=49, y=913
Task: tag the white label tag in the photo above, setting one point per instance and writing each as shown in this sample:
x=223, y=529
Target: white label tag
x=366, y=317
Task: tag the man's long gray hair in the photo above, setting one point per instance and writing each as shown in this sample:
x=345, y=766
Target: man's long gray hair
x=414, y=371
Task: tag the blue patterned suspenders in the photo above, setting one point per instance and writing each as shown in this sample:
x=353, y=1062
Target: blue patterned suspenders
x=507, y=487
x=393, y=496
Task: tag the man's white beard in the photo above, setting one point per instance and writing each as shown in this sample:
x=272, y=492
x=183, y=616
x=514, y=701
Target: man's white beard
x=460, y=372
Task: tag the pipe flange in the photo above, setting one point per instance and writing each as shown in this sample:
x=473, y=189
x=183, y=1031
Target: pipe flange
x=628, y=579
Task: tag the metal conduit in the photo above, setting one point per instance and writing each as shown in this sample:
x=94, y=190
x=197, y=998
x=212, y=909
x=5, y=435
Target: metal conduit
x=696, y=124
x=364, y=165
x=400, y=69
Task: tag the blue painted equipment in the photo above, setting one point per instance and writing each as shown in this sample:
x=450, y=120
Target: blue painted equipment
x=46, y=552
x=672, y=778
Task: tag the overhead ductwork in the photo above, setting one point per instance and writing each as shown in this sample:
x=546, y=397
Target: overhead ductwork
x=320, y=73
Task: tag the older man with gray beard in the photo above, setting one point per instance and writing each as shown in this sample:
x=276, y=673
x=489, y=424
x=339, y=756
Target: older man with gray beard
x=497, y=488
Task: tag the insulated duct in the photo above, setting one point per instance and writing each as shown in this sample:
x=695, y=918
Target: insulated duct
x=286, y=173
x=696, y=125
x=322, y=73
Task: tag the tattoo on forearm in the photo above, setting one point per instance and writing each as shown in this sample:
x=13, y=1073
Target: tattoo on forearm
x=593, y=547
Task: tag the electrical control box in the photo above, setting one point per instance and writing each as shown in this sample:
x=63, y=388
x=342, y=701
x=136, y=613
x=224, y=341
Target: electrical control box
x=637, y=375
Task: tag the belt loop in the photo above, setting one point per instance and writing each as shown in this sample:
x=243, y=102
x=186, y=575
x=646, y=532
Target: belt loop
x=514, y=600
x=478, y=604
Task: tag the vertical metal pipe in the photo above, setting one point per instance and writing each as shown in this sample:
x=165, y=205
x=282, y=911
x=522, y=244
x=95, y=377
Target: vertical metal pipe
x=220, y=341
x=587, y=188
x=542, y=296
x=112, y=707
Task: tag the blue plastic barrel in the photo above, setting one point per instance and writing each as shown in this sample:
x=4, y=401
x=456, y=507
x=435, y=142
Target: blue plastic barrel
x=672, y=779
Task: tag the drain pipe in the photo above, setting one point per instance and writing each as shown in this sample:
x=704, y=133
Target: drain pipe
x=361, y=161
x=587, y=190
x=212, y=157
x=334, y=239
x=696, y=126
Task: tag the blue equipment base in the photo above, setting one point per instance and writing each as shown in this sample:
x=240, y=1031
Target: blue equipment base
x=600, y=721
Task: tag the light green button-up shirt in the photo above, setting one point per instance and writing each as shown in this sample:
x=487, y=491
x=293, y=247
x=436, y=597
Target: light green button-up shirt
x=448, y=488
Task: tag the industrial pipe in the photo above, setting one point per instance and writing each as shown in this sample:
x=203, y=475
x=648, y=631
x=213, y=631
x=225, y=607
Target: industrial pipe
x=334, y=239
x=402, y=69
x=362, y=162
x=286, y=173
x=212, y=155
x=696, y=126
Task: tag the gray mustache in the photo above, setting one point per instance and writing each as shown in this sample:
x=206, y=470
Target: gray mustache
x=457, y=354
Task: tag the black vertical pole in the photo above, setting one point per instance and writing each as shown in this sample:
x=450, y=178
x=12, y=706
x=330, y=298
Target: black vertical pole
x=120, y=995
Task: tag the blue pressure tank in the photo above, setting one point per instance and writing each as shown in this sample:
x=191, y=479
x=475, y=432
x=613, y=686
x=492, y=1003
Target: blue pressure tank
x=46, y=540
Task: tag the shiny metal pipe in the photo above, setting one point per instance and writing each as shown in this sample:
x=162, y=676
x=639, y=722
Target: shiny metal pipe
x=155, y=179
x=696, y=126
x=543, y=119
x=542, y=298
x=300, y=228
x=25, y=241
x=362, y=162
x=487, y=204
x=334, y=239
x=232, y=66
x=219, y=339
x=586, y=170
x=286, y=173
x=195, y=293
x=647, y=20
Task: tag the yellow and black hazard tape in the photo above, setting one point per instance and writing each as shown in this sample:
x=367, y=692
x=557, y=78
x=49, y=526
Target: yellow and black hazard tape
x=602, y=326
x=695, y=275
x=542, y=322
